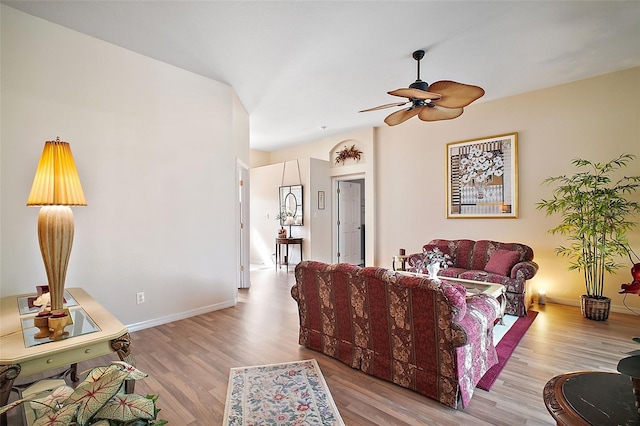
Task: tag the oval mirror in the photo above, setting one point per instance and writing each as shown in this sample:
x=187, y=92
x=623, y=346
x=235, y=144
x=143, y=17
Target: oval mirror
x=291, y=204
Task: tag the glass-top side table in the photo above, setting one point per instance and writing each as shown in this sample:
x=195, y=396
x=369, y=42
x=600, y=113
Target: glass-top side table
x=81, y=324
x=26, y=305
x=100, y=334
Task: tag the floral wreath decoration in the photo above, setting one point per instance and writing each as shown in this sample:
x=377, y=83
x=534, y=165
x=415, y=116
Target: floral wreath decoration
x=346, y=153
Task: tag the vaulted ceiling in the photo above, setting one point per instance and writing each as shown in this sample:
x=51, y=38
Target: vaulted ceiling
x=303, y=69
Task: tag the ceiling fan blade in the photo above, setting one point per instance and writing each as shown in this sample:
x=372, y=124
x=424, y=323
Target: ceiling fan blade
x=401, y=116
x=455, y=95
x=414, y=94
x=437, y=113
x=395, y=104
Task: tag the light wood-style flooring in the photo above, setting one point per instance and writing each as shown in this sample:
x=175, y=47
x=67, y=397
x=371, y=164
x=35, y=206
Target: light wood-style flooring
x=188, y=363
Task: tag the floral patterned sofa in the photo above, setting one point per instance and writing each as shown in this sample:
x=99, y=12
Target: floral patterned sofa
x=509, y=264
x=421, y=334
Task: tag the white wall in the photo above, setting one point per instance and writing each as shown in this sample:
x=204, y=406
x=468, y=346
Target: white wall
x=156, y=148
x=320, y=220
x=596, y=119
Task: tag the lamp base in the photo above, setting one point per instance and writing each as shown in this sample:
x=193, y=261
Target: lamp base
x=55, y=234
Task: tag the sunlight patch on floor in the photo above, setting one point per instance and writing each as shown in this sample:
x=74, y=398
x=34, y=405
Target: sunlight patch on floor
x=500, y=330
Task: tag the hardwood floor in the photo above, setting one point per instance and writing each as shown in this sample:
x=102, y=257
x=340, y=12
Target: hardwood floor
x=188, y=363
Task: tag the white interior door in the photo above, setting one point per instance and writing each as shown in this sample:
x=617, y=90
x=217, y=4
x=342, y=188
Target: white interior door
x=349, y=223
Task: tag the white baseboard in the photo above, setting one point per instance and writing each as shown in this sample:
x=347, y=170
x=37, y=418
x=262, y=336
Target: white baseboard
x=621, y=309
x=181, y=315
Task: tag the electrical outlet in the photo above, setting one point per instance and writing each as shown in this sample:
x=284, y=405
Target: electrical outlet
x=140, y=297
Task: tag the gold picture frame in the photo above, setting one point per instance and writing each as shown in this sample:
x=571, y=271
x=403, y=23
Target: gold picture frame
x=482, y=177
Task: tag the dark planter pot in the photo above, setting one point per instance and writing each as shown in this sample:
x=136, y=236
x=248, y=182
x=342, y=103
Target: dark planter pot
x=595, y=308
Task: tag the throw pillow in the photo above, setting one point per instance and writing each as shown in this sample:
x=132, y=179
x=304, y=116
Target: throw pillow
x=501, y=262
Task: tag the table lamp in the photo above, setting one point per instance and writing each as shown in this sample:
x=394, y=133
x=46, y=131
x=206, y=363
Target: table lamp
x=56, y=186
x=289, y=221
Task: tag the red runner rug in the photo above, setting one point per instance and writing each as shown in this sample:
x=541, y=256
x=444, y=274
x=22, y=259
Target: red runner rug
x=505, y=348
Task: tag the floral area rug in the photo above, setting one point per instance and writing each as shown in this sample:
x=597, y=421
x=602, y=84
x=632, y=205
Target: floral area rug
x=292, y=393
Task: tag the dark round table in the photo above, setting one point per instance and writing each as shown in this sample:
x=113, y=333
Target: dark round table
x=591, y=398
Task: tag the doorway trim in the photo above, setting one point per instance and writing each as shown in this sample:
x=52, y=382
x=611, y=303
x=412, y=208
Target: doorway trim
x=369, y=214
x=335, y=214
x=244, y=225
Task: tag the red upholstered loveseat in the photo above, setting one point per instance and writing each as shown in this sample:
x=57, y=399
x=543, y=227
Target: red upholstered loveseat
x=509, y=264
x=421, y=334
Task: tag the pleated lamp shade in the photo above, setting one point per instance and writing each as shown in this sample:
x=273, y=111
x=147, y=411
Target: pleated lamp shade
x=56, y=181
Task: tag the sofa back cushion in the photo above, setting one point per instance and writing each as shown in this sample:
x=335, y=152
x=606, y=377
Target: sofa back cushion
x=358, y=307
x=501, y=262
x=474, y=255
x=419, y=260
x=461, y=251
x=484, y=249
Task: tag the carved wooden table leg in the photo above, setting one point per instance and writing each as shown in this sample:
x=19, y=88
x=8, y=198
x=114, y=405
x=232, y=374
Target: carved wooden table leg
x=503, y=304
x=8, y=374
x=122, y=346
x=73, y=372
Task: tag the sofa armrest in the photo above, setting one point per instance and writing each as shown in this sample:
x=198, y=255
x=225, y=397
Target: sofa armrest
x=482, y=312
x=294, y=293
x=524, y=270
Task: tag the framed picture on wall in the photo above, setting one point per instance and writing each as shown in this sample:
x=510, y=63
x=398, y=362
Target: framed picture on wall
x=320, y=200
x=482, y=177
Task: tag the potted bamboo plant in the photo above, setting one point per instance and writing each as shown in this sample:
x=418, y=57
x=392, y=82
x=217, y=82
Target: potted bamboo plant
x=595, y=216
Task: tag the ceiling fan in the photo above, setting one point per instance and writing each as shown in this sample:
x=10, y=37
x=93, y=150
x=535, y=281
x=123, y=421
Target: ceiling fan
x=442, y=100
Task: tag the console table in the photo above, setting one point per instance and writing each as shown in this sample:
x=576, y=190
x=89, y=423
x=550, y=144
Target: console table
x=286, y=242
x=95, y=333
x=588, y=398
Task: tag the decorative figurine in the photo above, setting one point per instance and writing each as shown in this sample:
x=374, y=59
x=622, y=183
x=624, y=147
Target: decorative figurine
x=282, y=233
